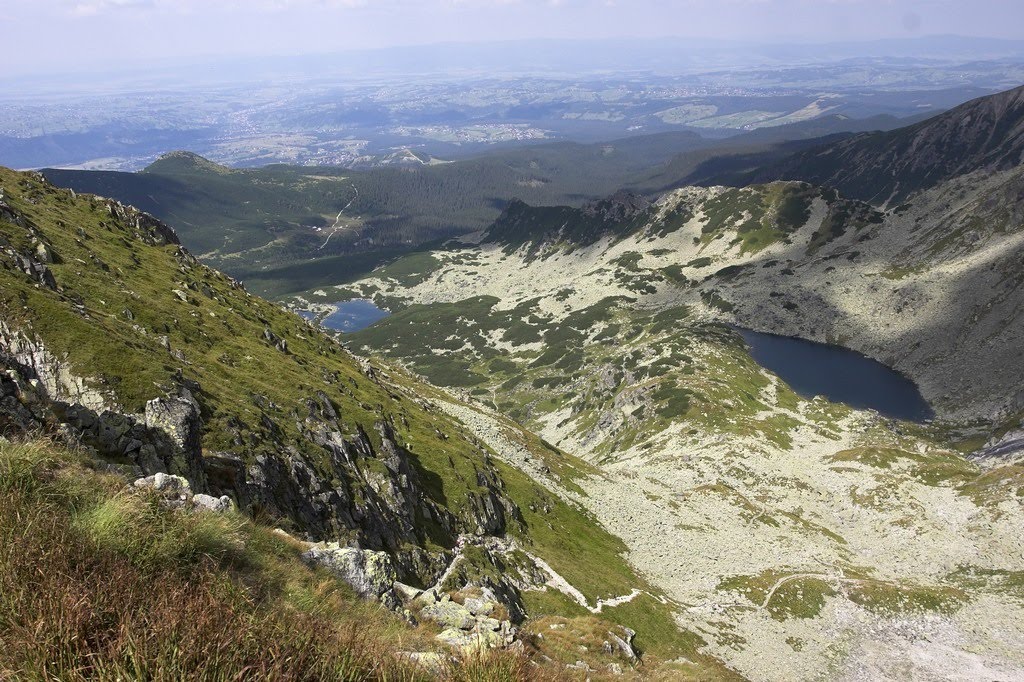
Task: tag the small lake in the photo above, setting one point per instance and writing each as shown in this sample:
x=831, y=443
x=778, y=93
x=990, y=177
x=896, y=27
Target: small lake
x=351, y=316
x=839, y=374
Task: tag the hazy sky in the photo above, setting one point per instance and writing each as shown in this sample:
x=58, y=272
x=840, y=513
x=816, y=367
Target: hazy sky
x=48, y=35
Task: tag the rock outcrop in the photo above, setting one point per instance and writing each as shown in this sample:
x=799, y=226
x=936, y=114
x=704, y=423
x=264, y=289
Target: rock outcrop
x=371, y=574
x=39, y=391
x=467, y=626
x=176, y=493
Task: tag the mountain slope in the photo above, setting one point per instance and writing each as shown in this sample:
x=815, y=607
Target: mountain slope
x=732, y=161
x=809, y=540
x=249, y=222
x=100, y=583
x=113, y=337
x=888, y=167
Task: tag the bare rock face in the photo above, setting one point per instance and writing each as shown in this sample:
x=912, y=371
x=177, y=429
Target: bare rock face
x=147, y=228
x=49, y=375
x=179, y=419
x=619, y=207
x=39, y=390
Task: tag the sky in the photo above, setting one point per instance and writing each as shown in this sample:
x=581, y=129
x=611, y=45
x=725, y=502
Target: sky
x=74, y=35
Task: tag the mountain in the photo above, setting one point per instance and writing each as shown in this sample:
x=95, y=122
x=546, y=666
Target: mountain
x=286, y=228
x=888, y=167
x=116, y=341
x=734, y=161
x=566, y=416
x=283, y=229
x=784, y=521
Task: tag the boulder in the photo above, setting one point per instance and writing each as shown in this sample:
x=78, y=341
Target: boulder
x=165, y=483
x=427, y=597
x=371, y=574
x=428, y=661
x=624, y=641
x=209, y=503
x=489, y=624
x=469, y=641
x=407, y=593
x=449, y=614
x=480, y=607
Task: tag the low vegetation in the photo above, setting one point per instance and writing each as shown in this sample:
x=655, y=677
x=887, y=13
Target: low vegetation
x=97, y=582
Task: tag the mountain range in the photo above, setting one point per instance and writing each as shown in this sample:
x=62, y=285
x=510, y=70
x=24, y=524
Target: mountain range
x=557, y=446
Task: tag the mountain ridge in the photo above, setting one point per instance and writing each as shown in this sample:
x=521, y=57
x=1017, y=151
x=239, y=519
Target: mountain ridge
x=888, y=167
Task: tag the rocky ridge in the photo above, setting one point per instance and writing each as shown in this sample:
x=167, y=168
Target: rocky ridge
x=886, y=168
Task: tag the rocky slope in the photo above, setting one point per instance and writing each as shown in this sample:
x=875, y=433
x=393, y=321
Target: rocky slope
x=986, y=134
x=806, y=537
x=931, y=288
x=115, y=339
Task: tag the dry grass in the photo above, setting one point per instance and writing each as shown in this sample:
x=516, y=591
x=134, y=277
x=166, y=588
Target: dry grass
x=100, y=584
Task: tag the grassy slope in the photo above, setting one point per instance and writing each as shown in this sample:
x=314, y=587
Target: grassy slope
x=107, y=270
x=661, y=367
x=97, y=582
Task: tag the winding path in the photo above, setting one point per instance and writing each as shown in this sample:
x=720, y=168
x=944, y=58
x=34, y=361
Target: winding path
x=337, y=219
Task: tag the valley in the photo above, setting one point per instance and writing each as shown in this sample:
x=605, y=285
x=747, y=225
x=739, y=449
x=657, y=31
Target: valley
x=522, y=376
x=804, y=532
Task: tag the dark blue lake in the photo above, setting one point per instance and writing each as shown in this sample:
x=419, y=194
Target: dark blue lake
x=839, y=374
x=351, y=316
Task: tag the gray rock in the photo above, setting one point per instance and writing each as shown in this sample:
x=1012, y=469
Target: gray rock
x=209, y=503
x=458, y=639
x=405, y=592
x=427, y=597
x=624, y=643
x=470, y=641
x=491, y=624
x=165, y=483
x=179, y=419
x=429, y=661
x=371, y=574
x=480, y=607
x=449, y=614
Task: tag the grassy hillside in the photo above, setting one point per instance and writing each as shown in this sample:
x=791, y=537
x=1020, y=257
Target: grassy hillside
x=101, y=583
x=136, y=317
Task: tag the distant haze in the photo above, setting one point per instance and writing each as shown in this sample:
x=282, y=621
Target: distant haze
x=72, y=36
